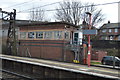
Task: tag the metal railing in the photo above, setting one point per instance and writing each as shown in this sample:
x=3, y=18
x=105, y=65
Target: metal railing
x=74, y=45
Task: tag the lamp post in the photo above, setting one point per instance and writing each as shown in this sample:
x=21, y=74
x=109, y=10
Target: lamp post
x=89, y=46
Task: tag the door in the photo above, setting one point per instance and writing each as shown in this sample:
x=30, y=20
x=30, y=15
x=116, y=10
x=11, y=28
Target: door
x=76, y=35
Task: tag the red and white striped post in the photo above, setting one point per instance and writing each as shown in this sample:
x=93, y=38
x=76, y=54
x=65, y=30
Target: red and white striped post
x=89, y=45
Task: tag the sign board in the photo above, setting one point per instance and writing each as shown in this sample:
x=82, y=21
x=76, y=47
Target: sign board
x=90, y=32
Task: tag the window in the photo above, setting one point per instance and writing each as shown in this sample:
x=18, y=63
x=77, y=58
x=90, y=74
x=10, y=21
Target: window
x=76, y=37
x=110, y=30
x=48, y=35
x=106, y=38
x=22, y=35
x=57, y=34
x=108, y=58
x=31, y=35
x=39, y=35
x=103, y=37
x=119, y=37
x=104, y=30
x=116, y=30
x=111, y=37
x=66, y=35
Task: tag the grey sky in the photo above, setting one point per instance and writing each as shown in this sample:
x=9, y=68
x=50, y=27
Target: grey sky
x=110, y=11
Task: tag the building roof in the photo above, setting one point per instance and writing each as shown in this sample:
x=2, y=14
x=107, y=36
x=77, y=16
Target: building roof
x=21, y=23
x=6, y=23
x=46, y=23
x=110, y=25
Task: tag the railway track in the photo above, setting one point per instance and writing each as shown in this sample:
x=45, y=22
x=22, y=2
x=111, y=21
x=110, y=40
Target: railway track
x=8, y=75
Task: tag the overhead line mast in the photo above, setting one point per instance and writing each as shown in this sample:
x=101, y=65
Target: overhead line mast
x=11, y=35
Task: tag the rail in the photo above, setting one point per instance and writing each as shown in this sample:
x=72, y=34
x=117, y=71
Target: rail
x=19, y=75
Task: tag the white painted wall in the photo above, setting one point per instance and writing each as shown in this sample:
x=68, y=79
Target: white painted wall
x=80, y=35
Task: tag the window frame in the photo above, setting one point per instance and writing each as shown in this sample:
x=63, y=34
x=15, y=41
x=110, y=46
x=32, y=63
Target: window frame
x=25, y=34
x=109, y=30
x=118, y=37
x=33, y=36
x=40, y=36
x=104, y=30
x=58, y=35
x=111, y=38
x=116, y=30
x=48, y=34
x=67, y=38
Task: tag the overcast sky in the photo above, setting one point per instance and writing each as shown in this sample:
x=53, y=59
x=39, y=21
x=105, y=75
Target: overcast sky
x=110, y=11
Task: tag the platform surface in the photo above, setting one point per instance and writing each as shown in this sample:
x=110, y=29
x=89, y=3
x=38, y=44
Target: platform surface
x=92, y=70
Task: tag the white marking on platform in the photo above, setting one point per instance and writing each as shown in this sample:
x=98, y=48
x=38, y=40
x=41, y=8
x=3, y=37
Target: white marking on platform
x=84, y=69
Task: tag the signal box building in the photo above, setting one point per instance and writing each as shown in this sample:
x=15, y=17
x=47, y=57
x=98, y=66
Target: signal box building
x=50, y=40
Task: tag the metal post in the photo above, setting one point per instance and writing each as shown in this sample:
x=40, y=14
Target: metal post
x=89, y=46
x=11, y=37
x=84, y=53
x=114, y=60
x=14, y=34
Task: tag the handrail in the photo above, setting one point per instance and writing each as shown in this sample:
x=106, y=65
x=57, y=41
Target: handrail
x=77, y=41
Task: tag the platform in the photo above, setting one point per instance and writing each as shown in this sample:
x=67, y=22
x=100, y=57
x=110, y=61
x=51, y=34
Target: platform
x=84, y=69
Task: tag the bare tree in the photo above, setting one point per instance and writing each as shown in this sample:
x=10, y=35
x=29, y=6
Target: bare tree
x=37, y=14
x=97, y=16
x=69, y=12
x=74, y=12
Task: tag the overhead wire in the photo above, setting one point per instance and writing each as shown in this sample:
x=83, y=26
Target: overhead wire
x=18, y=4
x=69, y=8
x=39, y=6
x=86, y=6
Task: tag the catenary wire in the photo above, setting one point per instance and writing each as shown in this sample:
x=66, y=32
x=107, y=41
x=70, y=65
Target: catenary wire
x=70, y=8
x=39, y=6
x=18, y=4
